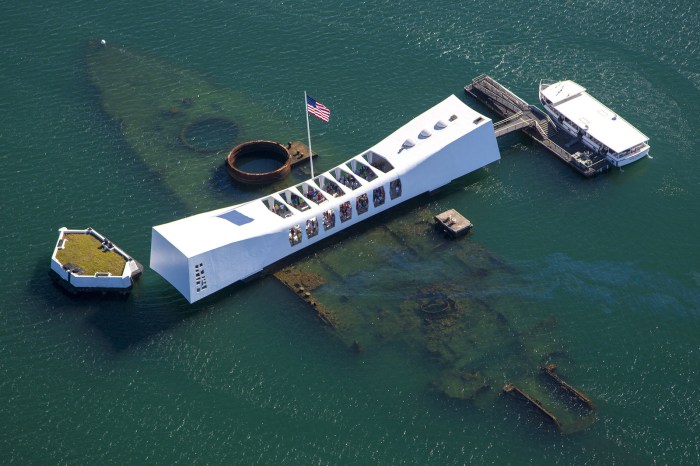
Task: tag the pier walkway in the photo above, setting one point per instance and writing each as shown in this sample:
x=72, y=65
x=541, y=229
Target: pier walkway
x=518, y=115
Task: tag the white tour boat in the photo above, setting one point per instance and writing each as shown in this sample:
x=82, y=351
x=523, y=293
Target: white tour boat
x=599, y=128
x=204, y=253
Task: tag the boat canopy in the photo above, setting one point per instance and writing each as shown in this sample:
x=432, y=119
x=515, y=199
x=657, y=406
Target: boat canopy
x=592, y=117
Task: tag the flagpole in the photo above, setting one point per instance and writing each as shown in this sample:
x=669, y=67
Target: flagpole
x=308, y=132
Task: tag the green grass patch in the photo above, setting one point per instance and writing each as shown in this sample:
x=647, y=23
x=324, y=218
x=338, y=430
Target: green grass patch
x=84, y=251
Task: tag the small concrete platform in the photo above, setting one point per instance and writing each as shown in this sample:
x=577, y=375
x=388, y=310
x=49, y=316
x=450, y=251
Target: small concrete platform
x=453, y=223
x=298, y=151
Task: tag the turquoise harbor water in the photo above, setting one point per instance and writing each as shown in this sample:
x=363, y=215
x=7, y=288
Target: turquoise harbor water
x=250, y=376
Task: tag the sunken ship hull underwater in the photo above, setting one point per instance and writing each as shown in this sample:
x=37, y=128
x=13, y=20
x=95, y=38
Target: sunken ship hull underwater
x=204, y=253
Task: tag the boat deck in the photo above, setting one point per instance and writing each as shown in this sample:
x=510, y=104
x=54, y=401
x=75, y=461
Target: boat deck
x=518, y=115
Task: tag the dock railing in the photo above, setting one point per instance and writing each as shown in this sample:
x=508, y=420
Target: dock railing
x=512, y=123
x=487, y=85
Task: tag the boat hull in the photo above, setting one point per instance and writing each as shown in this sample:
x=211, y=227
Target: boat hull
x=621, y=162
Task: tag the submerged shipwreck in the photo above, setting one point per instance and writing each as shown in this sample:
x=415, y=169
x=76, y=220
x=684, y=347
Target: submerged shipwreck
x=178, y=122
x=461, y=317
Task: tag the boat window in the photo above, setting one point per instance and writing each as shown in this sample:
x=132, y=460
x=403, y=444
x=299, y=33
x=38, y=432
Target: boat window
x=328, y=219
x=346, y=179
x=295, y=235
x=478, y=120
x=345, y=211
x=453, y=117
x=395, y=189
x=277, y=207
x=361, y=170
x=378, y=162
x=311, y=227
x=297, y=201
x=378, y=196
x=311, y=193
x=362, y=204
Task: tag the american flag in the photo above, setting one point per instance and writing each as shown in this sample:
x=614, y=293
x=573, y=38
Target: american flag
x=317, y=109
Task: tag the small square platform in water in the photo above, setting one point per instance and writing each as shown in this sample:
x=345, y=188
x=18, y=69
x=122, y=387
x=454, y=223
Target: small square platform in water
x=453, y=223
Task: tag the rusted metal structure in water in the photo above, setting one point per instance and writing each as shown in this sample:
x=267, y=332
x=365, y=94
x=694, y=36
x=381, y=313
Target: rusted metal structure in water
x=282, y=158
x=577, y=402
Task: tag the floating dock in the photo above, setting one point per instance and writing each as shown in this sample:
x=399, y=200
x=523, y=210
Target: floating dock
x=453, y=223
x=518, y=115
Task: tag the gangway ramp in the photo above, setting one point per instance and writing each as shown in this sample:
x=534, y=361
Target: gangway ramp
x=514, y=122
